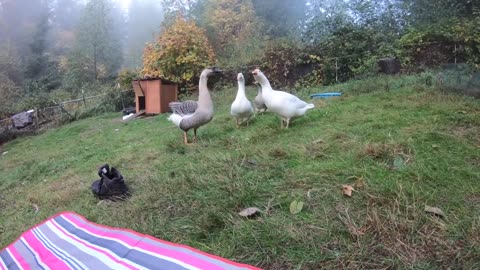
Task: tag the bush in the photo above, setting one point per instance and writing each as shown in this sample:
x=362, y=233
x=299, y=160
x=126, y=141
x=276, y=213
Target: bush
x=179, y=54
x=125, y=78
x=285, y=62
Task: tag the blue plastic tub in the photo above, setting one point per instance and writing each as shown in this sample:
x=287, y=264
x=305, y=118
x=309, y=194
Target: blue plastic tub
x=326, y=95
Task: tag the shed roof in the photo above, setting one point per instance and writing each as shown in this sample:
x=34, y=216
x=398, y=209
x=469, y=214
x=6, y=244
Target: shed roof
x=155, y=78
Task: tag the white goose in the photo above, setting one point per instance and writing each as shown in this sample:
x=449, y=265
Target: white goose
x=285, y=105
x=241, y=108
x=258, y=102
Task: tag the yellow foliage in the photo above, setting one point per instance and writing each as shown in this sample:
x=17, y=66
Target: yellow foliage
x=125, y=78
x=233, y=21
x=179, y=54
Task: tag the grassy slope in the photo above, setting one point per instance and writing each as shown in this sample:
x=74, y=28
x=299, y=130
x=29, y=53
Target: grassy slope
x=192, y=194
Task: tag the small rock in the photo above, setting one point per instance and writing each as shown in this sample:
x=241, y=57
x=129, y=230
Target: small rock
x=249, y=212
x=434, y=210
x=117, y=129
x=318, y=141
x=252, y=162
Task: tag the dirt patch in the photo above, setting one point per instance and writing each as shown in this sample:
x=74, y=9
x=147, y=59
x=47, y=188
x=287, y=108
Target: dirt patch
x=473, y=199
x=62, y=191
x=317, y=149
x=469, y=133
x=319, y=103
x=390, y=154
x=475, y=162
x=278, y=153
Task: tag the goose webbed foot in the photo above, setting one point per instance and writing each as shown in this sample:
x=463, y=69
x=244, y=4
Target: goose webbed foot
x=195, y=135
x=248, y=120
x=185, y=138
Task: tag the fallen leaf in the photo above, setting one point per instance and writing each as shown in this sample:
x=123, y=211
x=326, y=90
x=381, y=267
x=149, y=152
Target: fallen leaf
x=249, y=212
x=347, y=190
x=296, y=207
x=434, y=210
x=357, y=231
x=36, y=208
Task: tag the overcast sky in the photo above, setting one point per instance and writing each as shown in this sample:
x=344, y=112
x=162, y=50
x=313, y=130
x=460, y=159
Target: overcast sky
x=124, y=3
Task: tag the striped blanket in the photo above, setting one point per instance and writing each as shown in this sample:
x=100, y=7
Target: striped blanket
x=69, y=241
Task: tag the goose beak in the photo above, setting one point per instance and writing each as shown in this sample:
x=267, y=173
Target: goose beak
x=217, y=70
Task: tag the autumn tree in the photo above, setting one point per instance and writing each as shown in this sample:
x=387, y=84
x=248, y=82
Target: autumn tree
x=41, y=71
x=10, y=79
x=97, y=52
x=179, y=54
x=17, y=21
x=65, y=16
x=233, y=29
x=175, y=8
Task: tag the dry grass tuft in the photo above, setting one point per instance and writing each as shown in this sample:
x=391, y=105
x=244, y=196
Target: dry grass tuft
x=278, y=153
x=400, y=229
x=387, y=153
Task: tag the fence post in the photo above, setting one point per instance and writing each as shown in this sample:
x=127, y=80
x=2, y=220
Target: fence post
x=36, y=118
x=455, y=52
x=336, y=70
x=83, y=96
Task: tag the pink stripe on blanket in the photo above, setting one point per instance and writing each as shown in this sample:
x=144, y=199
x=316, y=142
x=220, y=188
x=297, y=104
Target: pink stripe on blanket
x=93, y=247
x=44, y=254
x=193, y=261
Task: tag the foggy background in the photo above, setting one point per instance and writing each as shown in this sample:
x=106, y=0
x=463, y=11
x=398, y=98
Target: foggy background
x=61, y=49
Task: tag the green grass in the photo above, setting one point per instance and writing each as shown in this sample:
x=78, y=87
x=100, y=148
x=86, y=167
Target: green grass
x=401, y=144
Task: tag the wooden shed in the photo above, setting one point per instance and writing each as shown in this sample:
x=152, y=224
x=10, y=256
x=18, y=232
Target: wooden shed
x=153, y=95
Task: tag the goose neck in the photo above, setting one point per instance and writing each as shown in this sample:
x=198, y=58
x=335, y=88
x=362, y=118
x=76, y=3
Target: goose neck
x=259, y=91
x=241, y=90
x=204, y=98
x=265, y=85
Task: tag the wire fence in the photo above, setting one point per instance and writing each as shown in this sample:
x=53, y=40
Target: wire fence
x=52, y=116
